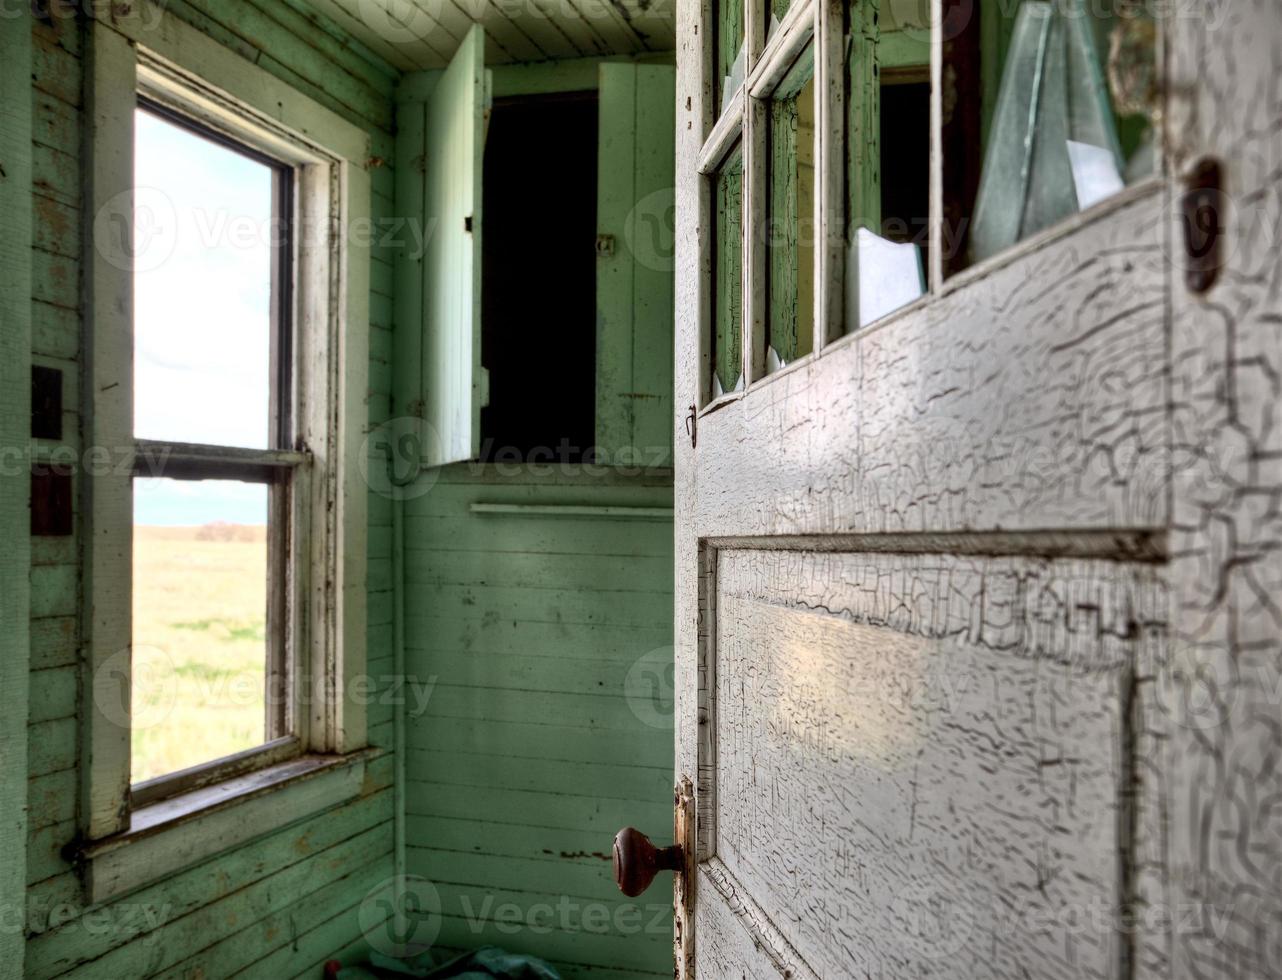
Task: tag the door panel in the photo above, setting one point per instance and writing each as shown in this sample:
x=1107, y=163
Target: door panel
x=1033, y=398
x=737, y=939
x=1011, y=487
x=917, y=757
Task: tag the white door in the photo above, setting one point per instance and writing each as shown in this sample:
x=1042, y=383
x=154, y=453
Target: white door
x=977, y=613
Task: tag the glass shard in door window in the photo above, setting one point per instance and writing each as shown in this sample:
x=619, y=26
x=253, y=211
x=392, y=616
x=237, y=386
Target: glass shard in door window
x=731, y=50
x=727, y=287
x=776, y=11
x=204, y=225
x=791, y=230
x=888, y=85
x=1071, y=122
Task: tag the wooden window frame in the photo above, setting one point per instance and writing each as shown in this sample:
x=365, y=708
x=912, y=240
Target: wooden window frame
x=823, y=23
x=323, y=605
x=277, y=467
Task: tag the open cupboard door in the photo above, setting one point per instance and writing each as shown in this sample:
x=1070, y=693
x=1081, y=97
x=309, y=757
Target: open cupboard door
x=634, y=264
x=440, y=164
x=976, y=621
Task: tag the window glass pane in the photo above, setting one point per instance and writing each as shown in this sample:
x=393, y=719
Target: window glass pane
x=776, y=10
x=199, y=622
x=731, y=57
x=888, y=158
x=791, y=216
x=1066, y=116
x=727, y=289
x=203, y=239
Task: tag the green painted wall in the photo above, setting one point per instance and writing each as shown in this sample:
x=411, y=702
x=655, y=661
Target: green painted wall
x=284, y=904
x=546, y=639
x=15, y=561
x=549, y=640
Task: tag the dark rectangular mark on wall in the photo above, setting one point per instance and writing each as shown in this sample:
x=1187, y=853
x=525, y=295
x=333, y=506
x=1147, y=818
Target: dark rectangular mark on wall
x=46, y=403
x=51, y=513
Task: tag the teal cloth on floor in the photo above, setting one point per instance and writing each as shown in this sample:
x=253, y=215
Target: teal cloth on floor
x=489, y=963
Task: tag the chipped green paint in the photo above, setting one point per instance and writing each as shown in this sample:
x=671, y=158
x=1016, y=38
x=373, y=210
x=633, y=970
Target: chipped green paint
x=863, y=147
x=727, y=341
x=225, y=914
x=791, y=214
x=634, y=282
x=549, y=726
x=536, y=623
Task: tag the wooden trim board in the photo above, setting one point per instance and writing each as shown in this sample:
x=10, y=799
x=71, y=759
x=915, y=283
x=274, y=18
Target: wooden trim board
x=107, y=498
x=15, y=430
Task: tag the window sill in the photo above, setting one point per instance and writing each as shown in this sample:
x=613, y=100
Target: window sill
x=169, y=835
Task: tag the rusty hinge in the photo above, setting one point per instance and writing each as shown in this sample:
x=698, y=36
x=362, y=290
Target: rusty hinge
x=1205, y=221
x=604, y=246
x=692, y=426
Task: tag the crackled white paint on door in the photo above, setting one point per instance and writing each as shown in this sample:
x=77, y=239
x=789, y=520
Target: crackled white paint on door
x=946, y=593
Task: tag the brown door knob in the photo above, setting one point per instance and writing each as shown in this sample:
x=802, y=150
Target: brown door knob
x=637, y=861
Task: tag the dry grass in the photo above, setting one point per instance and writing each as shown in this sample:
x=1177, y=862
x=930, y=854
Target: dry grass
x=200, y=608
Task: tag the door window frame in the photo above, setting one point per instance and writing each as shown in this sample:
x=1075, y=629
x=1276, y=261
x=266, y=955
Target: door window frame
x=742, y=122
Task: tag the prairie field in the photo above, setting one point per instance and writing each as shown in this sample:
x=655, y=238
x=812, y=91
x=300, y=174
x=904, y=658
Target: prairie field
x=200, y=616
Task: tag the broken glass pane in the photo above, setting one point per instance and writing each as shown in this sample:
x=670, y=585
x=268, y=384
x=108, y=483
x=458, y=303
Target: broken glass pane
x=888, y=97
x=1055, y=145
x=730, y=50
x=775, y=11
x=727, y=292
x=881, y=276
x=790, y=234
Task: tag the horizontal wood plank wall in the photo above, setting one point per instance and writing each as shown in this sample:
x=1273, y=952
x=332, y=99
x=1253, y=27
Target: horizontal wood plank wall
x=546, y=642
x=286, y=903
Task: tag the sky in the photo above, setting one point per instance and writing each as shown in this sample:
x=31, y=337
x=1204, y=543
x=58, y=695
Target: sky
x=202, y=287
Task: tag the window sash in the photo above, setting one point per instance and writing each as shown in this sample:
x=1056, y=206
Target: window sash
x=274, y=467
x=283, y=669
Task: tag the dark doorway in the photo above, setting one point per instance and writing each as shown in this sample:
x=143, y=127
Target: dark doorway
x=905, y=164
x=539, y=295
